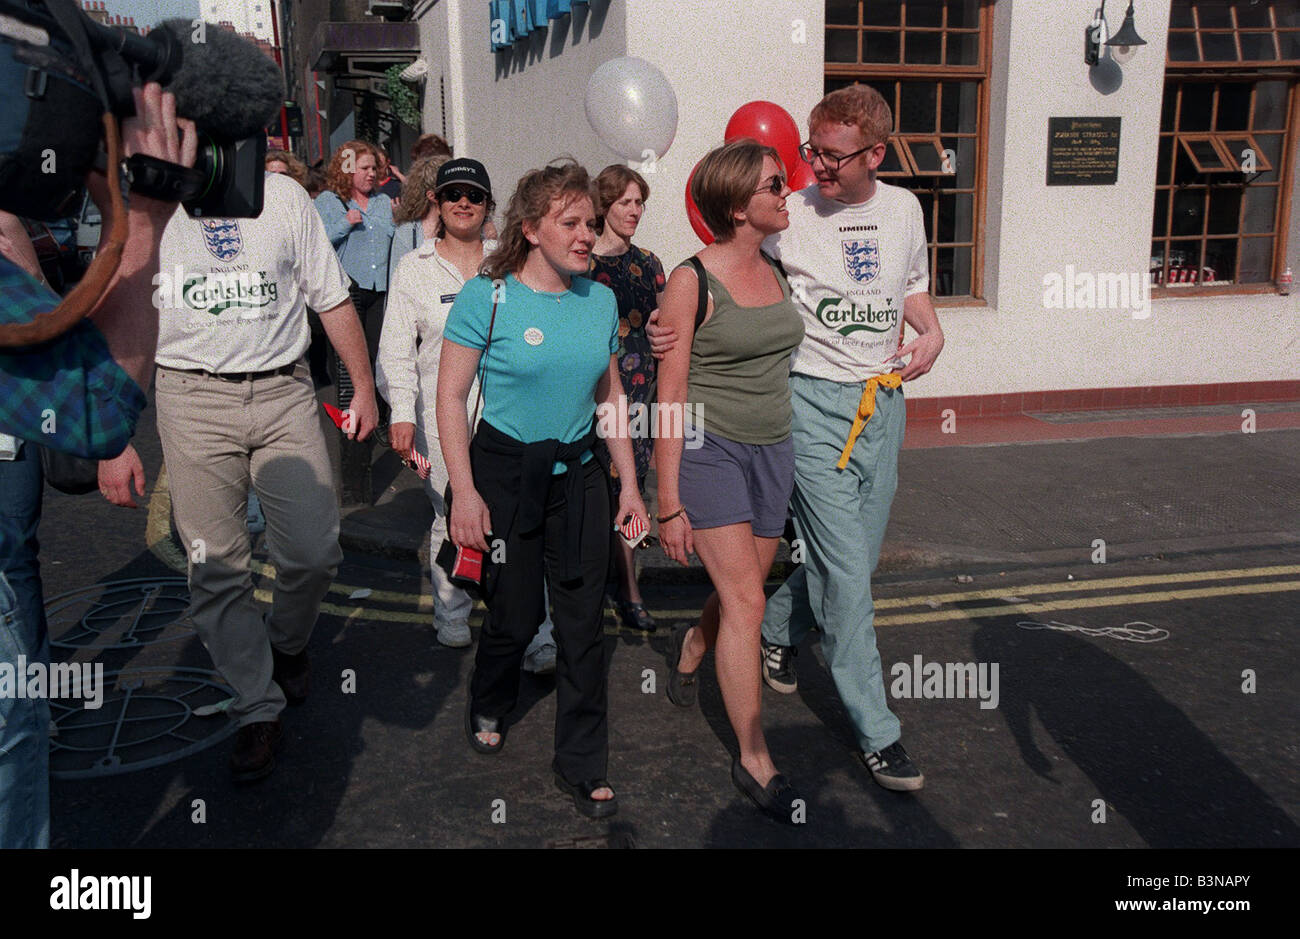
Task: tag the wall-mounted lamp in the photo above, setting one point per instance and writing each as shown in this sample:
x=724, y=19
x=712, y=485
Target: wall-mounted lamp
x=1122, y=45
x=1125, y=42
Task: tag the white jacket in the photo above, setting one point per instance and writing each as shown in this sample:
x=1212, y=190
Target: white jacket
x=420, y=296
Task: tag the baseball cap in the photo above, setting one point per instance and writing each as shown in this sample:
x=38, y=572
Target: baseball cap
x=464, y=172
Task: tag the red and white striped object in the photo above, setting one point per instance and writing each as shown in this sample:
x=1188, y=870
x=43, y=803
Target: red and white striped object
x=633, y=530
x=419, y=463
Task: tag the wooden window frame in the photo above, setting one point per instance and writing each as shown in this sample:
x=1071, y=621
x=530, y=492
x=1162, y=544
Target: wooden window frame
x=1236, y=31
x=901, y=29
x=1225, y=162
x=904, y=160
x=901, y=72
x=1288, y=133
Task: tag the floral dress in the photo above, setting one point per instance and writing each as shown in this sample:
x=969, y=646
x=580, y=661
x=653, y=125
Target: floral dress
x=637, y=279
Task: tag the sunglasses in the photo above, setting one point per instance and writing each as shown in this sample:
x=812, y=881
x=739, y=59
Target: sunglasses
x=775, y=185
x=456, y=193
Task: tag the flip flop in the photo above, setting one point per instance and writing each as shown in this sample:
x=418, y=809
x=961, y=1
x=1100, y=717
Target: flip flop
x=582, y=800
x=476, y=724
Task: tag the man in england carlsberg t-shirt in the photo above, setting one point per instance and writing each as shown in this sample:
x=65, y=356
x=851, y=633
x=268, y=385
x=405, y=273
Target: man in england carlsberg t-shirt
x=236, y=405
x=856, y=256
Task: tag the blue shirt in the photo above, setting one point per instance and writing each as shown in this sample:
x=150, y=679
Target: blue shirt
x=549, y=350
x=362, y=249
x=68, y=393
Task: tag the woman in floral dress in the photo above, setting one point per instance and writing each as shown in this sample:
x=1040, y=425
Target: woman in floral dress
x=637, y=279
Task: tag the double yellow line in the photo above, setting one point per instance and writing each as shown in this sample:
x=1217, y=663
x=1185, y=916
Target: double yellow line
x=939, y=607
x=967, y=604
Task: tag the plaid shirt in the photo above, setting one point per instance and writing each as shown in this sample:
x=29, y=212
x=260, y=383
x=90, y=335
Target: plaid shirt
x=68, y=394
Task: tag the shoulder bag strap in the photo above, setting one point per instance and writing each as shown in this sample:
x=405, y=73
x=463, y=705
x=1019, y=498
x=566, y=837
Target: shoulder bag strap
x=482, y=365
x=702, y=304
x=777, y=264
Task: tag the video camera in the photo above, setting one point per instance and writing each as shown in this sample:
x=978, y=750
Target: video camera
x=61, y=72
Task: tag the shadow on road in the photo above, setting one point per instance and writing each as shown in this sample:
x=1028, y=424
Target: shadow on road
x=1150, y=763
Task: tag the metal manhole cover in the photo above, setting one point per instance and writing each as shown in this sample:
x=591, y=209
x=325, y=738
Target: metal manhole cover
x=147, y=718
x=123, y=614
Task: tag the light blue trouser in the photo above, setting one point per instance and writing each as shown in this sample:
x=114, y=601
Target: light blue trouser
x=840, y=518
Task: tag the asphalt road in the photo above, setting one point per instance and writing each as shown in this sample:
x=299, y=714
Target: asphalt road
x=1148, y=701
x=1161, y=732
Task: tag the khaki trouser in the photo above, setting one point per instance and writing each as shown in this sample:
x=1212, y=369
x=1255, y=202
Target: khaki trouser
x=217, y=436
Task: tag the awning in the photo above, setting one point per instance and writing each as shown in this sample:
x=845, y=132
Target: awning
x=362, y=47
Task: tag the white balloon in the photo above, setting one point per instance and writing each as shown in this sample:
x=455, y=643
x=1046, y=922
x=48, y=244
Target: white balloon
x=632, y=108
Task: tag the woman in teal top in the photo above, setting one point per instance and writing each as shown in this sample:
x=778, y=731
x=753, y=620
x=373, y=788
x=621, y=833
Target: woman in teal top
x=528, y=491
x=726, y=499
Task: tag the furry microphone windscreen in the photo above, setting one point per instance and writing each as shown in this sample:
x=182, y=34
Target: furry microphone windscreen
x=226, y=85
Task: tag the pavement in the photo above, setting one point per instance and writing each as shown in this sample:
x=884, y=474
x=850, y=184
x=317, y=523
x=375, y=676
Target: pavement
x=1136, y=593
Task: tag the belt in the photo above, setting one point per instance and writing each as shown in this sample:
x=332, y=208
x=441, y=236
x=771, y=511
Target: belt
x=241, y=376
x=867, y=407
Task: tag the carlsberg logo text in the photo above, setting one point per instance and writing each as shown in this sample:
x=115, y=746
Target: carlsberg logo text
x=213, y=292
x=847, y=318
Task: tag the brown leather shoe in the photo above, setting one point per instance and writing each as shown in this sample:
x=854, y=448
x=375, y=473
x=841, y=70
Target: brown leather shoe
x=293, y=674
x=254, y=755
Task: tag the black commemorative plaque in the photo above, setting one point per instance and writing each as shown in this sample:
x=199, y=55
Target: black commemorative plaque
x=1082, y=151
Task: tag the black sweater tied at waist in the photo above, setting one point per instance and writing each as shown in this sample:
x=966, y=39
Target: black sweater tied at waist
x=514, y=478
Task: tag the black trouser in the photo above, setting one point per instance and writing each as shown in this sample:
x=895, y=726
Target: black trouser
x=582, y=658
x=370, y=310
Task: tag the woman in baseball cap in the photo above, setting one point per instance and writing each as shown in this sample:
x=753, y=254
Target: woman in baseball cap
x=445, y=206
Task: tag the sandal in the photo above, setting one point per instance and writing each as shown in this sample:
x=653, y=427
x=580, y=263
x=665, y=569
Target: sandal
x=582, y=800
x=776, y=800
x=476, y=724
x=635, y=616
x=681, y=685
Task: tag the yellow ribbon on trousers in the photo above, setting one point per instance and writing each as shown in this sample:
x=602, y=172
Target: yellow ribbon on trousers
x=867, y=407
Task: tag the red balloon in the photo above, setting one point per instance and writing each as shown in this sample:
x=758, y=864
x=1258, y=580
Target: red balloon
x=693, y=213
x=769, y=124
x=801, y=176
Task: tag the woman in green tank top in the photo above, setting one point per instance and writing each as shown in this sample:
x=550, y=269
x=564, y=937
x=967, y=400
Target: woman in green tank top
x=726, y=498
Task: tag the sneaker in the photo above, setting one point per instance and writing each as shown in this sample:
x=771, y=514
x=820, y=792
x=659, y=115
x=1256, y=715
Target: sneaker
x=778, y=667
x=541, y=661
x=894, y=769
x=454, y=635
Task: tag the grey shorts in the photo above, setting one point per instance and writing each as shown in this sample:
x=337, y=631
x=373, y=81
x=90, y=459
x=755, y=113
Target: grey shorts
x=725, y=483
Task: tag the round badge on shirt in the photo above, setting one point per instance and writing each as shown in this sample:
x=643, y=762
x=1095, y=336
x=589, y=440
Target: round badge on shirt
x=533, y=336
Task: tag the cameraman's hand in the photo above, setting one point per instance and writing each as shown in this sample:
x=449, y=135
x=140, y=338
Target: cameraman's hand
x=117, y=475
x=155, y=131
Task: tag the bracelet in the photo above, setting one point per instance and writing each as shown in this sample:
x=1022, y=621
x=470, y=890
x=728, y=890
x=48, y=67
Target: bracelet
x=668, y=518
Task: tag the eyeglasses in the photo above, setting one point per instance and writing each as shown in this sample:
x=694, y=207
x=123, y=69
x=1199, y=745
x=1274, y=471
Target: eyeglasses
x=830, y=162
x=775, y=186
x=456, y=193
